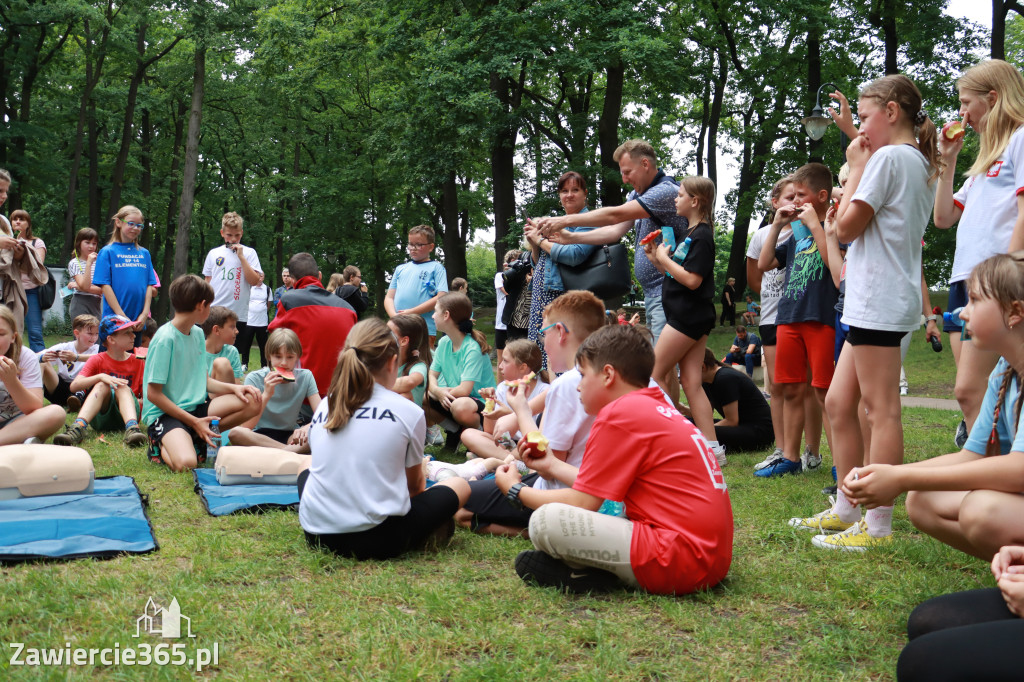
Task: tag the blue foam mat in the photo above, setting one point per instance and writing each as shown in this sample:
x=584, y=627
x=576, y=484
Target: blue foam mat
x=221, y=500
x=110, y=521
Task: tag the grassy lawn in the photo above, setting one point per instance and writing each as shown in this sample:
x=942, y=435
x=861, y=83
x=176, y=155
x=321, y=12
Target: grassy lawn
x=277, y=609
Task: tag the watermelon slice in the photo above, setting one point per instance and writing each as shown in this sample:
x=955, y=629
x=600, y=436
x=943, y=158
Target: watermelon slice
x=286, y=374
x=650, y=238
x=141, y=351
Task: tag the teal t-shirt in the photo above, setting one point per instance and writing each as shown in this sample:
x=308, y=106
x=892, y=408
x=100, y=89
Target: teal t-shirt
x=231, y=353
x=421, y=369
x=178, y=361
x=467, y=364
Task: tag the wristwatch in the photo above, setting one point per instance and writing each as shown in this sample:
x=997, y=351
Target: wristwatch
x=930, y=318
x=513, y=495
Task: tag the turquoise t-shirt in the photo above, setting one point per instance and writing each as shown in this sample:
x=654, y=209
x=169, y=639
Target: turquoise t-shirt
x=231, y=353
x=178, y=361
x=467, y=364
x=421, y=369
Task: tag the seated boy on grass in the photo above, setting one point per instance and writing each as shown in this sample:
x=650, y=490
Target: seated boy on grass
x=113, y=383
x=677, y=534
x=62, y=363
x=177, y=406
x=275, y=425
x=223, y=362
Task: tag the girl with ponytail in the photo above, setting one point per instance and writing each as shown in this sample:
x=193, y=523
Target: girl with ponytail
x=461, y=366
x=363, y=495
x=972, y=499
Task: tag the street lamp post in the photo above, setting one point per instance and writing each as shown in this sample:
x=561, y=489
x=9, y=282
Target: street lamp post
x=818, y=122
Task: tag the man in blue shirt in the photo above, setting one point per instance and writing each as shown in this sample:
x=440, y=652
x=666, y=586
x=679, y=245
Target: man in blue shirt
x=745, y=350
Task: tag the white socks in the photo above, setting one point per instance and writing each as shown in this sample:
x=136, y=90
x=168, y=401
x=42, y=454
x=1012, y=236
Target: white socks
x=847, y=512
x=879, y=521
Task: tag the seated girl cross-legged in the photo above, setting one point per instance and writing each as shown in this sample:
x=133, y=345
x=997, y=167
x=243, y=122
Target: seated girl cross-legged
x=972, y=499
x=363, y=495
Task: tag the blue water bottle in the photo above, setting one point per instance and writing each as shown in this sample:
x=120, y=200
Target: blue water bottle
x=211, y=450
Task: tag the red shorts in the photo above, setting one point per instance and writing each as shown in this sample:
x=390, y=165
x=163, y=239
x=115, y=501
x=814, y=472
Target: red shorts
x=804, y=344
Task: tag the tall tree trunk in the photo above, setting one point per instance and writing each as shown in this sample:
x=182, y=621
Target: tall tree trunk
x=163, y=302
x=96, y=219
x=147, y=174
x=454, y=245
x=717, y=100
x=999, y=12
x=503, y=161
x=608, y=134
x=117, y=176
x=188, y=183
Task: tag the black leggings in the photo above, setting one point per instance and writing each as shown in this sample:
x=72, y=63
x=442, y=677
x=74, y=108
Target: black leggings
x=429, y=511
x=963, y=636
x=244, y=343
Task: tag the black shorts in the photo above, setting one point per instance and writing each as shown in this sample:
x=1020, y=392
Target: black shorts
x=164, y=424
x=280, y=435
x=694, y=318
x=436, y=406
x=60, y=393
x=500, y=336
x=489, y=505
x=858, y=336
x=767, y=334
x=957, y=299
x=396, y=535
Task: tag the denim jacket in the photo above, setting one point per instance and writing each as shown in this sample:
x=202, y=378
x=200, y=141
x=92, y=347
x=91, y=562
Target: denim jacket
x=565, y=254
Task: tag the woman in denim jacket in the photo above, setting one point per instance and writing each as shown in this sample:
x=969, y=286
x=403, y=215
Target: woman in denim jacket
x=547, y=256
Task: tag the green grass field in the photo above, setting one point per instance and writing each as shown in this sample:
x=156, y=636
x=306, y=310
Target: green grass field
x=278, y=610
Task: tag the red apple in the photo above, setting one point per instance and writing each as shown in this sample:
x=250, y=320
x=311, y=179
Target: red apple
x=536, y=445
x=953, y=130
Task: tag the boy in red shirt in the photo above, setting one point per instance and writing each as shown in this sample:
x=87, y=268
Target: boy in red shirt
x=677, y=534
x=113, y=380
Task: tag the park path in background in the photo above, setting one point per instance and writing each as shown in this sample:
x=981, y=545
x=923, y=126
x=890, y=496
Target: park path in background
x=933, y=403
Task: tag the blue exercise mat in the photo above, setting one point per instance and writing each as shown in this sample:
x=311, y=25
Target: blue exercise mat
x=110, y=521
x=221, y=500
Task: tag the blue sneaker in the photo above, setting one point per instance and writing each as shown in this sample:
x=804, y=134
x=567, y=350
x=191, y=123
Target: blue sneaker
x=780, y=468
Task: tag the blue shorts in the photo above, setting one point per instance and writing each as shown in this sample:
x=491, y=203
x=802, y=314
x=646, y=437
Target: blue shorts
x=957, y=299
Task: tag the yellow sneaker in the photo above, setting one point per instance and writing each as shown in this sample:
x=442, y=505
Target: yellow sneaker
x=854, y=539
x=823, y=522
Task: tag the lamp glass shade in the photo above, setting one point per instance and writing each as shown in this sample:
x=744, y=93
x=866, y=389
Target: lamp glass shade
x=816, y=126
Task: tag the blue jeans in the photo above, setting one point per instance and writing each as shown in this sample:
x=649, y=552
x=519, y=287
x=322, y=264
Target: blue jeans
x=655, y=314
x=34, y=321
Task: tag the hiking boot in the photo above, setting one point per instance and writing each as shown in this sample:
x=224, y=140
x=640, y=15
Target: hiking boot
x=134, y=437
x=75, y=401
x=539, y=567
x=73, y=435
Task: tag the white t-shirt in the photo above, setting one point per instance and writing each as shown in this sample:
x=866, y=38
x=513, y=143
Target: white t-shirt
x=773, y=280
x=30, y=376
x=357, y=475
x=501, y=398
x=565, y=424
x=224, y=269
x=989, y=204
x=883, y=264
x=258, y=297
x=69, y=370
x=499, y=285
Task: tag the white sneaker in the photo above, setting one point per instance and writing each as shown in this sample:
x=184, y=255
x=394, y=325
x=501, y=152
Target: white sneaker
x=810, y=460
x=719, y=454
x=435, y=436
x=903, y=390
x=769, y=460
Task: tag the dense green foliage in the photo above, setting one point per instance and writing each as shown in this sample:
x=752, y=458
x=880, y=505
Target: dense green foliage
x=333, y=128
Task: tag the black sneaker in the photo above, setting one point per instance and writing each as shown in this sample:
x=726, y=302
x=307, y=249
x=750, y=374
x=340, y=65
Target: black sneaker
x=75, y=401
x=539, y=567
x=830, y=490
x=960, y=438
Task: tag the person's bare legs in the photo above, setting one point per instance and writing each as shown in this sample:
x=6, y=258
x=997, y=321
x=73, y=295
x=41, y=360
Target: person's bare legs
x=464, y=411
x=972, y=379
x=221, y=371
x=775, y=390
x=247, y=437
x=674, y=348
x=42, y=424
x=793, y=396
x=842, y=404
x=482, y=444
x=232, y=410
x=177, y=451
x=50, y=378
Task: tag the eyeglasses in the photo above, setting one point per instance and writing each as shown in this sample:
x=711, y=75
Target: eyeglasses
x=552, y=325
x=417, y=246
x=138, y=226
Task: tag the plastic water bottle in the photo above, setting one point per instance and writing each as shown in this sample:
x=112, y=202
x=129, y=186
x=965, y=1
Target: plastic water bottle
x=211, y=450
x=953, y=317
x=680, y=253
